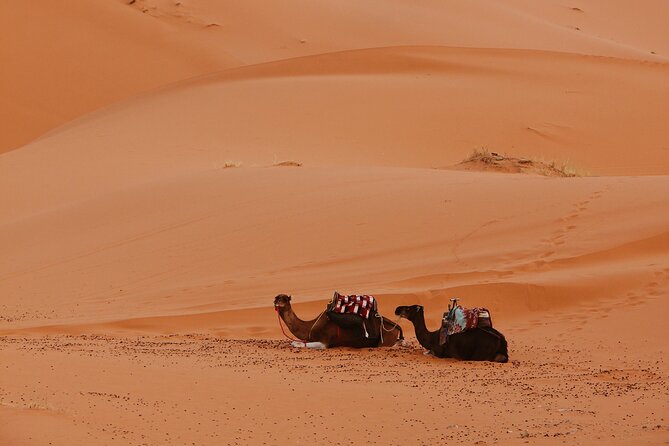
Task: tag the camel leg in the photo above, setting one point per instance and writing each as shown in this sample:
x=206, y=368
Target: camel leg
x=315, y=345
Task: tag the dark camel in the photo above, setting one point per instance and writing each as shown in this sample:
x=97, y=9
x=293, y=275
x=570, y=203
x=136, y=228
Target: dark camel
x=323, y=333
x=477, y=344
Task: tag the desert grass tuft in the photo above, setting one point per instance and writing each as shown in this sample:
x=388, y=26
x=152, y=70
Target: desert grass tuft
x=231, y=164
x=502, y=162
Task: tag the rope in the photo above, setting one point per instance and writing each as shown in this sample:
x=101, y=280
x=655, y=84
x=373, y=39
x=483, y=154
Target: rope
x=314, y=324
x=310, y=330
x=382, y=328
x=388, y=330
x=284, y=333
x=395, y=324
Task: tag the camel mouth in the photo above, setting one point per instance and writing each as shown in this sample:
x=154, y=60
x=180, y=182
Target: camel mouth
x=281, y=301
x=401, y=311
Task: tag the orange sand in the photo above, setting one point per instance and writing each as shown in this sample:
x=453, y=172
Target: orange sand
x=167, y=168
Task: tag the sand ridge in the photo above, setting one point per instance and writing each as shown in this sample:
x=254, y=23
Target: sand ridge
x=112, y=50
x=114, y=271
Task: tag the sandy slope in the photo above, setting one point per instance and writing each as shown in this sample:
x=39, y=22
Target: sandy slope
x=142, y=243
x=413, y=107
x=575, y=270
x=233, y=237
x=203, y=390
x=62, y=59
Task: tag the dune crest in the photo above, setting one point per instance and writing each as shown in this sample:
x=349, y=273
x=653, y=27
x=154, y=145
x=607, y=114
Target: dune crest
x=120, y=48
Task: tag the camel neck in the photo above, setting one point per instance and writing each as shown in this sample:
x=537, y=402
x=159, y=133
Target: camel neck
x=422, y=334
x=297, y=327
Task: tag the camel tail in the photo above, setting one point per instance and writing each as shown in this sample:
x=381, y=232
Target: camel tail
x=503, y=354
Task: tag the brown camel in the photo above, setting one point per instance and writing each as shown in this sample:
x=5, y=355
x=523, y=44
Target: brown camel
x=477, y=344
x=322, y=332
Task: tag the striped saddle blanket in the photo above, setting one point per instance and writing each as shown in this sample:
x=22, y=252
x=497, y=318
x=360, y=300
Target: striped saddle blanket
x=359, y=305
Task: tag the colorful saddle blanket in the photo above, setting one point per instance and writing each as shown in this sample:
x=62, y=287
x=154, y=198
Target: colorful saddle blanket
x=360, y=305
x=461, y=319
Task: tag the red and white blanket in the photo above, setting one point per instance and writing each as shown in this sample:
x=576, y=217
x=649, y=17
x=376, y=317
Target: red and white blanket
x=361, y=305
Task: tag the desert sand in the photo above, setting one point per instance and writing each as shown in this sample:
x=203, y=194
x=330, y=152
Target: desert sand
x=168, y=167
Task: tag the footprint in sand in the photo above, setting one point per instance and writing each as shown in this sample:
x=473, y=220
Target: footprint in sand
x=557, y=238
x=654, y=288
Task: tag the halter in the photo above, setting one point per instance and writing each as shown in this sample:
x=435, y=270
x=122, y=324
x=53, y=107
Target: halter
x=276, y=308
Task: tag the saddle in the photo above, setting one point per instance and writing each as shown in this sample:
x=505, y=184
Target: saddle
x=355, y=311
x=459, y=319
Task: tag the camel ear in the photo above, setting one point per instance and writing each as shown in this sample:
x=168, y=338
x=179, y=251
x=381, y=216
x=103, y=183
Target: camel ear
x=289, y=298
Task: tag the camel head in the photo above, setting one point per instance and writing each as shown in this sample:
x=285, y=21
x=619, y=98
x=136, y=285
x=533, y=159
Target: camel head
x=409, y=312
x=281, y=301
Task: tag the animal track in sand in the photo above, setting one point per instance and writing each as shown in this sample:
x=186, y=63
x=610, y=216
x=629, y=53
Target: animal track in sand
x=559, y=236
x=658, y=285
x=549, y=247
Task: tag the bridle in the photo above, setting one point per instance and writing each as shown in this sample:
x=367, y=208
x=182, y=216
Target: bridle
x=276, y=309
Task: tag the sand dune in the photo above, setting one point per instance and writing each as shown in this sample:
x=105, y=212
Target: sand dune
x=448, y=101
x=62, y=59
x=233, y=237
x=169, y=167
x=111, y=50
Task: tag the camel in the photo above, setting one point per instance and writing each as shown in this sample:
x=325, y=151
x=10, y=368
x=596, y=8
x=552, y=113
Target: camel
x=477, y=344
x=324, y=333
